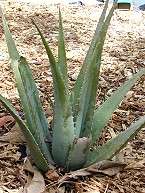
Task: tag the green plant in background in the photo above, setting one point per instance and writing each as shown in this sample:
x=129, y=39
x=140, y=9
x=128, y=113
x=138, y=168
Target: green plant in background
x=77, y=124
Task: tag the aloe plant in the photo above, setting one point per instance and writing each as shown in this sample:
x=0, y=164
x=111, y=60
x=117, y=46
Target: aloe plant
x=77, y=124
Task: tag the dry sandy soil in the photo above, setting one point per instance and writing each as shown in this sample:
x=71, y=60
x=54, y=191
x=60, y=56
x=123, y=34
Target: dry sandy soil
x=123, y=56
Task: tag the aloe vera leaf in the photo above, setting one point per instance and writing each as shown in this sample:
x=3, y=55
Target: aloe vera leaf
x=15, y=58
x=61, y=52
x=36, y=153
x=88, y=93
x=34, y=100
x=96, y=38
x=78, y=153
x=87, y=99
x=63, y=129
x=79, y=81
x=112, y=147
x=105, y=111
x=14, y=55
x=36, y=112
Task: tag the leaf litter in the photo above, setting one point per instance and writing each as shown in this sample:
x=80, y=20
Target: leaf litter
x=123, y=55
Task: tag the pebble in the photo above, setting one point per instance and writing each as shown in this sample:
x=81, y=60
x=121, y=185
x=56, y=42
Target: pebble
x=74, y=76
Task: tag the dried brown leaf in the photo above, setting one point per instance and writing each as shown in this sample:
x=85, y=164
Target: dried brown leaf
x=34, y=183
x=15, y=135
x=110, y=168
x=137, y=165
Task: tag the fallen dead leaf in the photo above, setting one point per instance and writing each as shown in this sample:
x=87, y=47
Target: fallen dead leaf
x=110, y=168
x=35, y=182
x=14, y=135
x=137, y=165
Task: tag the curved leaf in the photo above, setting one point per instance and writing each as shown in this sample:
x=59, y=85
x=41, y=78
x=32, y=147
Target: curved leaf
x=95, y=41
x=87, y=99
x=112, y=147
x=14, y=55
x=36, y=153
x=63, y=129
x=40, y=124
x=26, y=95
x=105, y=111
x=80, y=79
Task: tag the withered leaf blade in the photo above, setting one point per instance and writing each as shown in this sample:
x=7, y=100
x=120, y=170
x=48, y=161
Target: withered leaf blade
x=104, y=167
x=109, y=168
x=34, y=184
x=14, y=135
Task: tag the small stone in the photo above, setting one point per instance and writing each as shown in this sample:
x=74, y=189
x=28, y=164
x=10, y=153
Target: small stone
x=74, y=76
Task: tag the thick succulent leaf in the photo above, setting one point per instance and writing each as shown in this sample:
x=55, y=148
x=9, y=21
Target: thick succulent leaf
x=78, y=153
x=108, y=150
x=36, y=153
x=62, y=53
x=78, y=85
x=80, y=79
x=37, y=116
x=63, y=129
x=88, y=95
x=15, y=58
x=87, y=99
x=14, y=55
x=105, y=111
